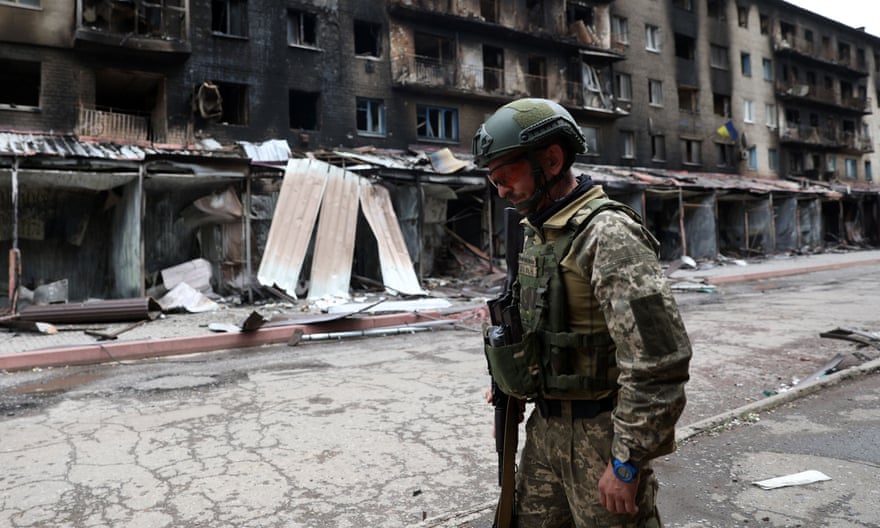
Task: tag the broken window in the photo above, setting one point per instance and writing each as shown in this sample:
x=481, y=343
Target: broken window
x=367, y=39
x=658, y=147
x=690, y=151
x=301, y=28
x=687, y=5
x=229, y=17
x=619, y=31
x=742, y=16
x=578, y=11
x=489, y=10
x=764, y=23
x=19, y=83
x=536, y=78
x=688, y=99
x=493, y=69
x=370, y=116
x=715, y=9
x=718, y=57
x=685, y=47
x=234, y=97
x=147, y=18
x=721, y=104
x=843, y=52
x=436, y=123
x=304, y=109
x=434, y=48
x=535, y=12
x=724, y=154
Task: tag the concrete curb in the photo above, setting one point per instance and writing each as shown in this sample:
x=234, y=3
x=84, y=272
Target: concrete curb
x=745, y=277
x=776, y=400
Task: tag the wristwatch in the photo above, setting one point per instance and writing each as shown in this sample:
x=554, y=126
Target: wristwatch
x=624, y=471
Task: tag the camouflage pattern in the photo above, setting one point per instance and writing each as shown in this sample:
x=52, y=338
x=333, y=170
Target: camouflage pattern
x=558, y=474
x=613, y=283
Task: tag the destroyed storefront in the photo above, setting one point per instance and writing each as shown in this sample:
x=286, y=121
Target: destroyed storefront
x=101, y=220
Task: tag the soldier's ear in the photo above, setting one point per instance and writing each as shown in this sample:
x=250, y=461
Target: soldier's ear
x=554, y=158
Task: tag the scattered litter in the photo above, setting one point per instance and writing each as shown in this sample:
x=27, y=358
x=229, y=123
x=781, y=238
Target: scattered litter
x=224, y=327
x=858, y=336
x=392, y=306
x=795, y=479
x=183, y=296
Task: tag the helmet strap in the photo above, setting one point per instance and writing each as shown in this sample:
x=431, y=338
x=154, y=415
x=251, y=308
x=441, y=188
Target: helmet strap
x=542, y=188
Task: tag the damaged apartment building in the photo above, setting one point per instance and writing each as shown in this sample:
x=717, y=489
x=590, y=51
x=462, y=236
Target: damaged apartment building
x=137, y=135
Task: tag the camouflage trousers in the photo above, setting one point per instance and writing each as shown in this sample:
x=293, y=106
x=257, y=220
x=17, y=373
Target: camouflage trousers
x=558, y=476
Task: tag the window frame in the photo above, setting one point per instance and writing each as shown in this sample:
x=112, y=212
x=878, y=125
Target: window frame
x=652, y=38
x=655, y=96
x=233, y=8
x=301, y=17
x=423, y=111
x=368, y=104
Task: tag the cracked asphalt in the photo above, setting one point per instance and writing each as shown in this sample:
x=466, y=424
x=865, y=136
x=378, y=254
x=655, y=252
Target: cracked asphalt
x=390, y=431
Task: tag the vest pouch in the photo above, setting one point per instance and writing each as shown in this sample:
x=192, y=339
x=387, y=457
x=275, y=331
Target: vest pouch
x=516, y=368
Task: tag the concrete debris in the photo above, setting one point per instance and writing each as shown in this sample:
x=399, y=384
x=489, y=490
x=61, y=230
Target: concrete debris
x=185, y=297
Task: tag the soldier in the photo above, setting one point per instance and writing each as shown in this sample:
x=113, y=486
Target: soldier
x=604, y=355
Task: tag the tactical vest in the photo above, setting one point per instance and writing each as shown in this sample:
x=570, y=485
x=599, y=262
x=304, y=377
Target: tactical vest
x=543, y=363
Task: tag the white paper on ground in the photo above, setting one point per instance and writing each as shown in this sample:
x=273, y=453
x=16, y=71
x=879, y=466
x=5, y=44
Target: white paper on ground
x=795, y=479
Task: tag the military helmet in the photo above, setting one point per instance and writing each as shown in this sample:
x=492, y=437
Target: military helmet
x=526, y=123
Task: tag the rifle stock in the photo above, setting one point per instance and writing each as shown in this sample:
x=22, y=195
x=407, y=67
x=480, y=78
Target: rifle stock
x=506, y=329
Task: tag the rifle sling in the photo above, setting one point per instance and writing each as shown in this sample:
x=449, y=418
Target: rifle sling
x=505, y=510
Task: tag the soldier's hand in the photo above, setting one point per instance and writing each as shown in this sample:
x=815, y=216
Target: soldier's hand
x=617, y=496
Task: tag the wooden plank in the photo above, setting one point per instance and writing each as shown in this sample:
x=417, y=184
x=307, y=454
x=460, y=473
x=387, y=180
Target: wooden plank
x=335, y=237
x=398, y=273
x=293, y=223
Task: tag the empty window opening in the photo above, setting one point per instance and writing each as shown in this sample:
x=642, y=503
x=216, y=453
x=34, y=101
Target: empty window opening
x=434, y=48
x=367, y=39
x=304, y=110
x=489, y=10
x=579, y=11
x=301, y=28
x=234, y=103
x=19, y=83
x=742, y=16
x=149, y=18
x=658, y=147
x=493, y=69
x=370, y=117
x=436, y=123
x=536, y=79
x=126, y=92
x=688, y=99
x=721, y=105
x=685, y=47
x=715, y=9
x=229, y=17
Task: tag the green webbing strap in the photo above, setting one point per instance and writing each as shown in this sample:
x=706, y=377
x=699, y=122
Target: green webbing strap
x=573, y=340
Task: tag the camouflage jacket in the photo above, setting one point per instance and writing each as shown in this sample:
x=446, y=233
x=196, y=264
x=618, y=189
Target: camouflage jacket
x=614, y=284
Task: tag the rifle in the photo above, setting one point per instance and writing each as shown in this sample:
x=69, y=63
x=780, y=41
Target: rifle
x=506, y=329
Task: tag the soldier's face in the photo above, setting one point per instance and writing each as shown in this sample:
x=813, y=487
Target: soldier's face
x=511, y=175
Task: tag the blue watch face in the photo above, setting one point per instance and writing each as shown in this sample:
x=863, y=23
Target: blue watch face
x=624, y=471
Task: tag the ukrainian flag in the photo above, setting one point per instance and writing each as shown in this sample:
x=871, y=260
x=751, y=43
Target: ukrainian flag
x=728, y=130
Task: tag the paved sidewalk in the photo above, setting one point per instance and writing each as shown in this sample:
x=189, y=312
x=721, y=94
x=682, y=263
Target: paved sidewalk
x=71, y=341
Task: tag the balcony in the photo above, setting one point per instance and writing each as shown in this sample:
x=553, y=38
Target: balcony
x=822, y=96
x=159, y=26
x=788, y=44
x=827, y=137
x=123, y=127
x=536, y=85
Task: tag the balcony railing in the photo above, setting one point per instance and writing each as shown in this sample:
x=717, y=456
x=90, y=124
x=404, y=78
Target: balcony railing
x=806, y=48
x=829, y=137
x=536, y=85
x=822, y=95
x=123, y=127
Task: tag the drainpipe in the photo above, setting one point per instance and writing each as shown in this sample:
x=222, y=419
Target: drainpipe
x=14, y=253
